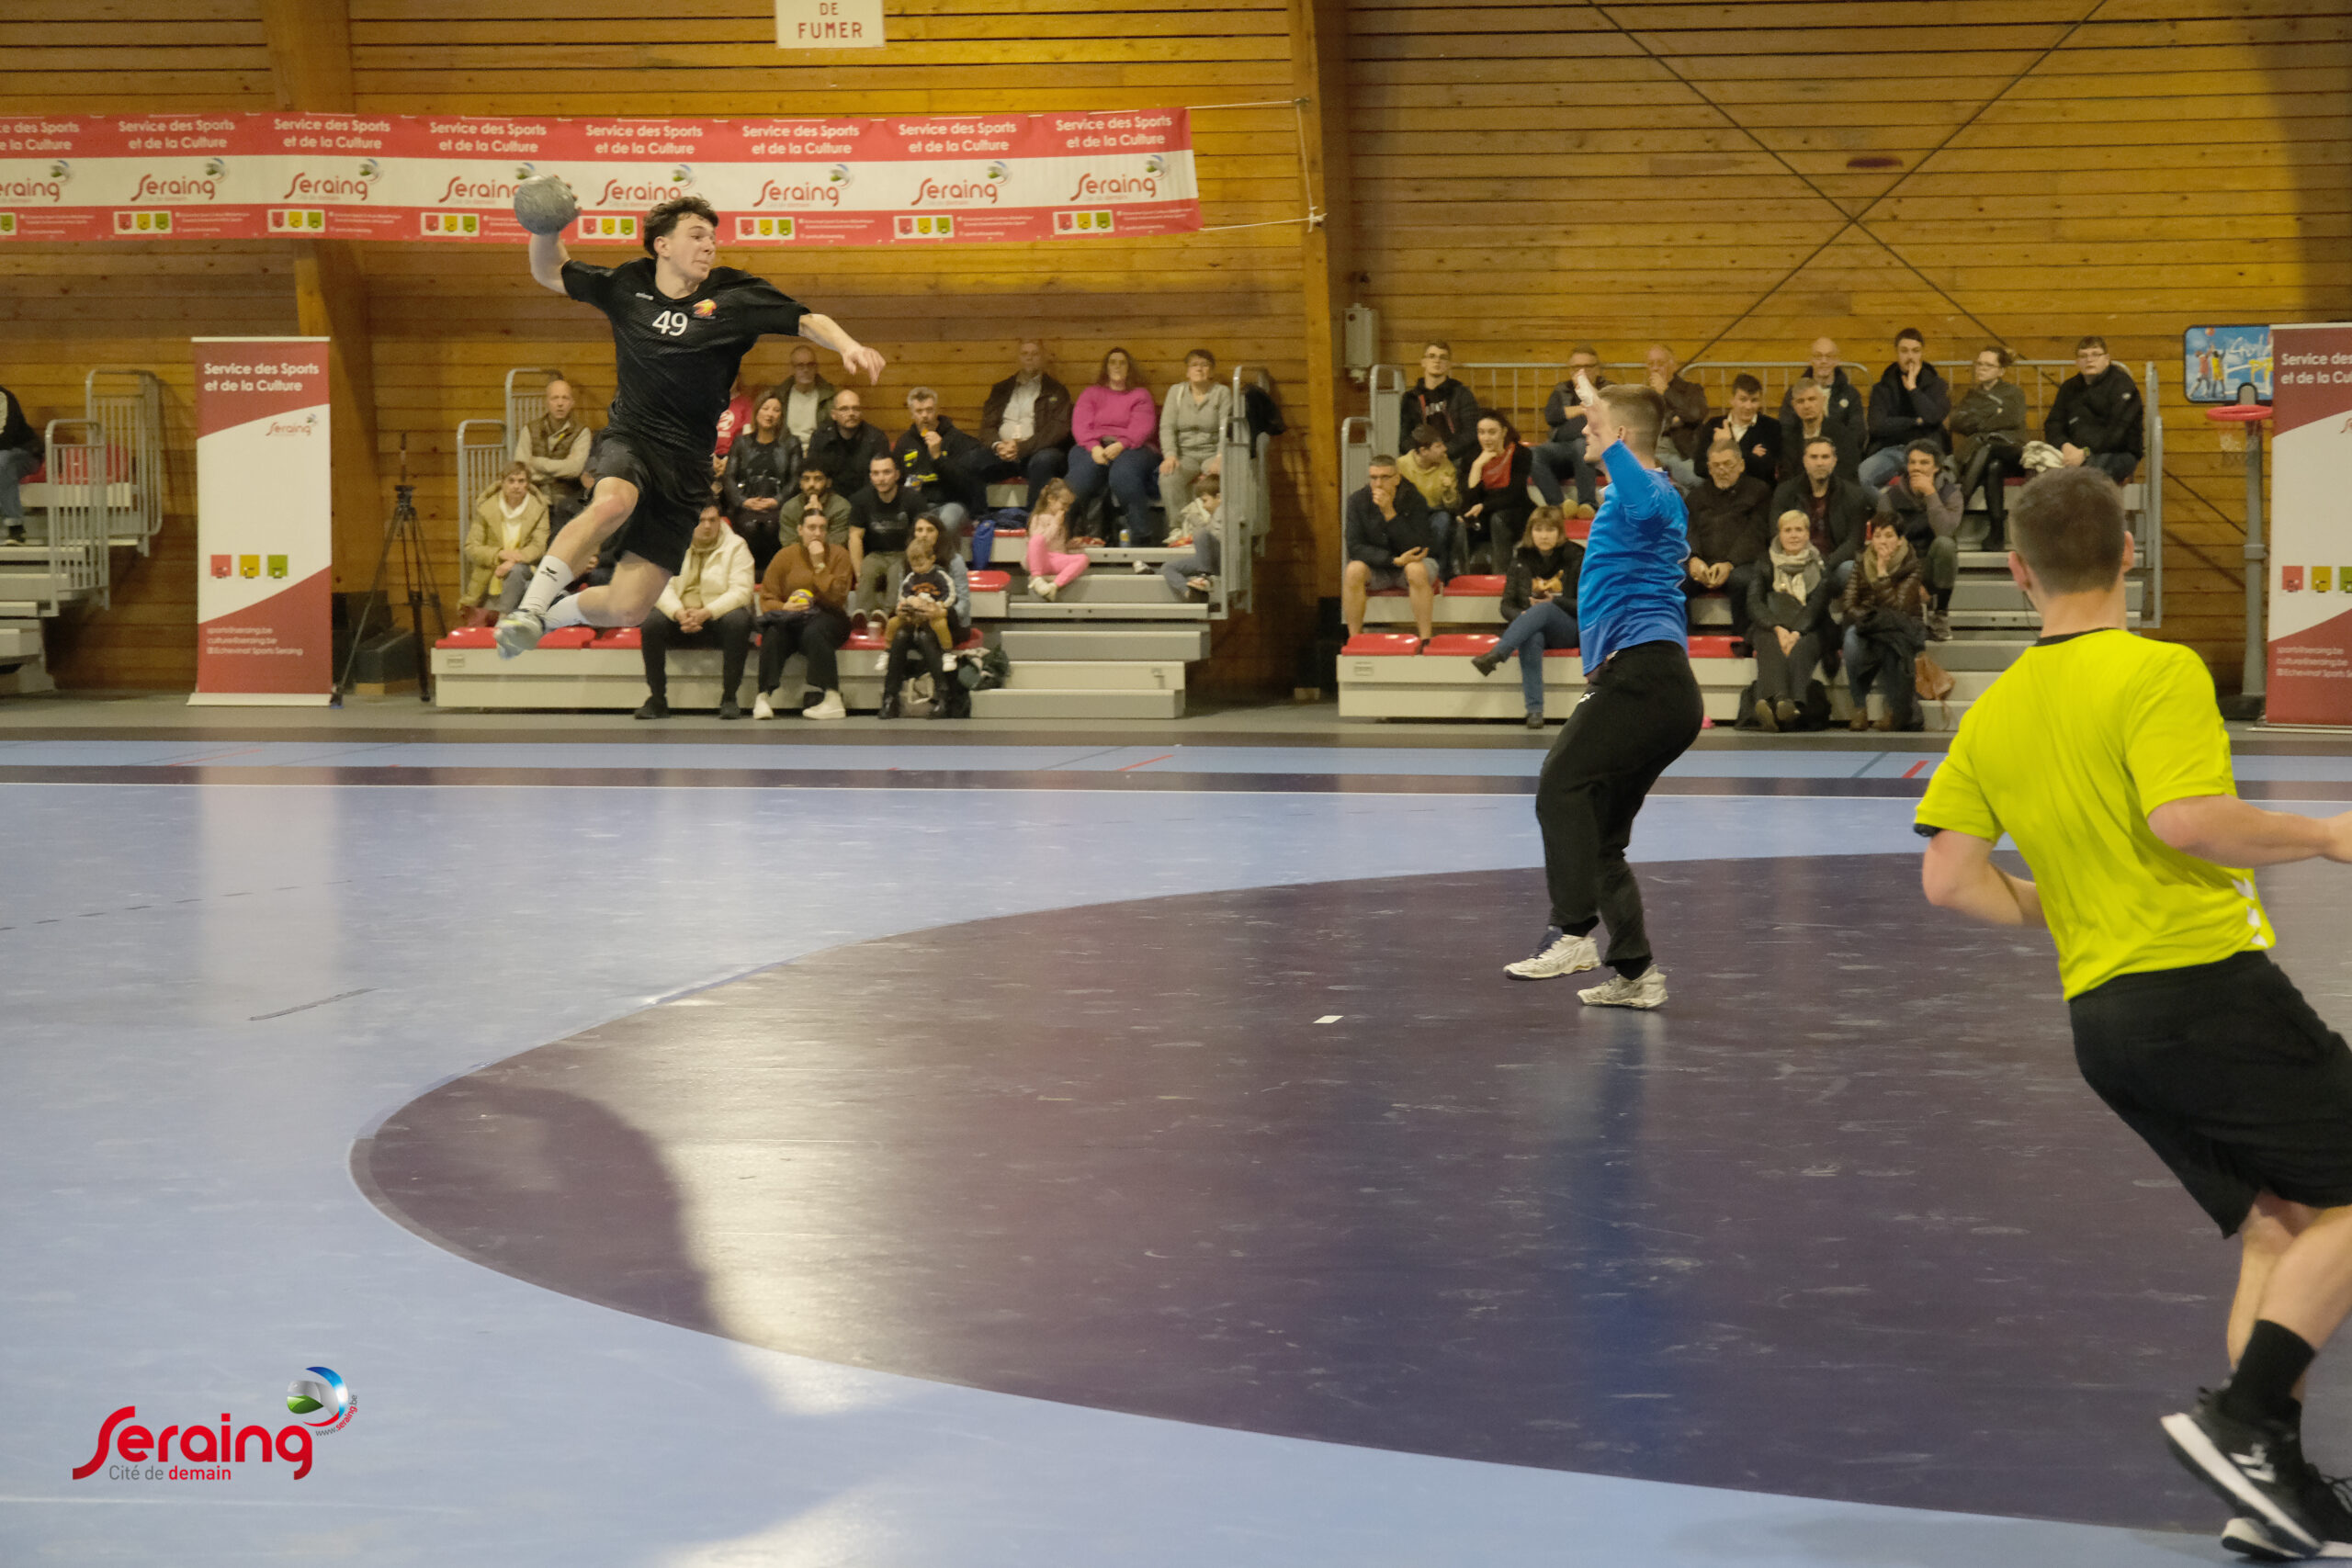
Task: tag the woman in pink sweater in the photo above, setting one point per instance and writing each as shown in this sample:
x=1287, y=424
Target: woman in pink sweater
x=1053, y=566
x=1117, y=431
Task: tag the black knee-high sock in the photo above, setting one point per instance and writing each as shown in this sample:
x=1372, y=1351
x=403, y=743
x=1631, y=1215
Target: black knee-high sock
x=2263, y=1387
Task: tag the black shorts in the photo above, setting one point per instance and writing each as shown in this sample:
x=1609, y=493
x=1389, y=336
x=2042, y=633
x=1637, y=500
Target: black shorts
x=673, y=487
x=2231, y=1077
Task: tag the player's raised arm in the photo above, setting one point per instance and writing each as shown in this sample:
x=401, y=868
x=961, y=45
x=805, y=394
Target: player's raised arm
x=547, y=256
x=2227, y=832
x=826, y=332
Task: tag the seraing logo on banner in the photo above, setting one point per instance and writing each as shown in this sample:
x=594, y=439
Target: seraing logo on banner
x=829, y=24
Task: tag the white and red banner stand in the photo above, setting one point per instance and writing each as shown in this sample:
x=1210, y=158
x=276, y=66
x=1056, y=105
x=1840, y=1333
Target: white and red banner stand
x=2310, y=543
x=264, y=535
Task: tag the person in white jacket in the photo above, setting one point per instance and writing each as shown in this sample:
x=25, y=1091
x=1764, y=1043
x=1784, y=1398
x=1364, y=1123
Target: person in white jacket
x=708, y=602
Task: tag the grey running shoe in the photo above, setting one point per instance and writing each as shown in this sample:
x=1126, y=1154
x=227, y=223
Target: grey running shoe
x=2258, y=1470
x=1649, y=991
x=519, y=632
x=1558, y=954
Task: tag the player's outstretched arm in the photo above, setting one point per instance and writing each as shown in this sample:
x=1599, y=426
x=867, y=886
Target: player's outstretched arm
x=1958, y=872
x=2226, y=831
x=547, y=256
x=826, y=332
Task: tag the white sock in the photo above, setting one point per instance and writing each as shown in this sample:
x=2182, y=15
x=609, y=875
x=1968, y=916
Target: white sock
x=566, y=612
x=552, y=578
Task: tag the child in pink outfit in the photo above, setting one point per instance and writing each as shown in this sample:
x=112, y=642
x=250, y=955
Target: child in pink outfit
x=1051, y=569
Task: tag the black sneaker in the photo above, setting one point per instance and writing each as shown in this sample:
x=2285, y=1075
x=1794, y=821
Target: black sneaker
x=2323, y=1500
x=1486, y=663
x=654, y=708
x=728, y=708
x=2258, y=1470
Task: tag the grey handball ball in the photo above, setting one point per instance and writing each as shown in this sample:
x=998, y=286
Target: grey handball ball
x=545, y=205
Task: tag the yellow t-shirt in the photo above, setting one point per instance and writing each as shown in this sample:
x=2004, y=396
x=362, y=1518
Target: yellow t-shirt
x=2067, y=753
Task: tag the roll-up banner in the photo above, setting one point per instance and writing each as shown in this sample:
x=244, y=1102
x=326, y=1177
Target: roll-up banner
x=942, y=180
x=265, y=536
x=2310, y=540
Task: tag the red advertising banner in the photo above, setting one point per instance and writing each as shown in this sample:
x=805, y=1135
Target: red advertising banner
x=264, y=522
x=939, y=179
x=2311, y=541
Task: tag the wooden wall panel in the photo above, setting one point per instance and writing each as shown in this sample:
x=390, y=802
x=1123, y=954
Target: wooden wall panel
x=1531, y=175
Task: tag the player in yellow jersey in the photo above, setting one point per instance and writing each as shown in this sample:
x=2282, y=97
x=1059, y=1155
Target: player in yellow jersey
x=2102, y=755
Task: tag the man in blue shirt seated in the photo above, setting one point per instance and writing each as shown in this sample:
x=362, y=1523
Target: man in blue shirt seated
x=1640, y=711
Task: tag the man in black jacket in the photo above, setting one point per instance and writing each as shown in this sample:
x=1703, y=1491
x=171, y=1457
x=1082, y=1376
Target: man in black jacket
x=1563, y=454
x=1024, y=425
x=1387, y=541
x=881, y=518
x=845, y=446
x=20, y=454
x=1909, y=403
x=1836, y=507
x=1444, y=404
x=936, y=461
x=2096, y=418
x=1731, y=527
x=1844, y=411
x=1755, y=438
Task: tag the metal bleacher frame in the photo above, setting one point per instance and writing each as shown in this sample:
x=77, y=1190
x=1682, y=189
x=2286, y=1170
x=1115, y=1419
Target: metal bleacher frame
x=481, y=458
x=81, y=514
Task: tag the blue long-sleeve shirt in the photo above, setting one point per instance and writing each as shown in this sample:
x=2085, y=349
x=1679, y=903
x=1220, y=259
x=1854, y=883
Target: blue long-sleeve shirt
x=1631, y=590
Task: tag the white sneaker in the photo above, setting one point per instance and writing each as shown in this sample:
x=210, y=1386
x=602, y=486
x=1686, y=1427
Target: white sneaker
x=761, y=708
x=1143, y=569
x=519, y=632
x=831, y=707
x=1559, y=953
x=1044, y=588
x=1649, y=991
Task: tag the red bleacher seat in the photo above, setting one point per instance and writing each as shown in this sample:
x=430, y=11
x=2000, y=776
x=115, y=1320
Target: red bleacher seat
x=1481, y=585
x=1562, y=652
x=1577, y=528
x=991, y=581
x=471, y=636
x=866, y=641
x=1012, y=533
x=619, y=637
x=39, y=475
x=1711, y=648
x=1461, y=645
x=568, y=637
x=1382, y=645
x=972, y=638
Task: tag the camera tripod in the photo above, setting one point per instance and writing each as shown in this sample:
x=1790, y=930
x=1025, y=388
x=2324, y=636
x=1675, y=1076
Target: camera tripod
x=404, y=535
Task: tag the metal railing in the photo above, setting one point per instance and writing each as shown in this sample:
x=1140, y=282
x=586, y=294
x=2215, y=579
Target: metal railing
x=1247, y=500
x=80, y=515
x=126, y=404
x=1520, y=390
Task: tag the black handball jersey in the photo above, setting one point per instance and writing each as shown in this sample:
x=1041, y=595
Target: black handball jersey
x=677, y=359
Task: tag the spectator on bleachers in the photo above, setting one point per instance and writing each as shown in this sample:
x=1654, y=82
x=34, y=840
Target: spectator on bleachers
x=1808, y=417
x=554, y=447
x=1842, y=406
x=807, y=397
x=1024, y=424
x=1443, y=403
x=1686, y=415
x=1882, y=609
x=1909, y=403
x=1787, y=605
x=1988, y=440
x=921, y=629
x=1730, y=522
x=936, y=462
x=1754, y=437
x=1539, y=603
x=1387, y=541
x=736, y=417
x=707, y=603
x=1053, y=565
x=1202, y=526
x=2097, y=417
x=21, y=452
x=1563, y=453
x=1925, y=505
x=804, y=609
x=845, y=446
x=1836, y=507
x=817, y=496
x=1191, y=431
x=959, y=576
x=1429, y=470
x=1494, y=491
x=508, y=536
x=763, y=469
x=1117, y=429
x=881, y=516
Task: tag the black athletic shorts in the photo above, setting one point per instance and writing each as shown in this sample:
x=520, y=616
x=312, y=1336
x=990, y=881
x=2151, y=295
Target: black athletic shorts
x=2231, y=1077
x=673, y=487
